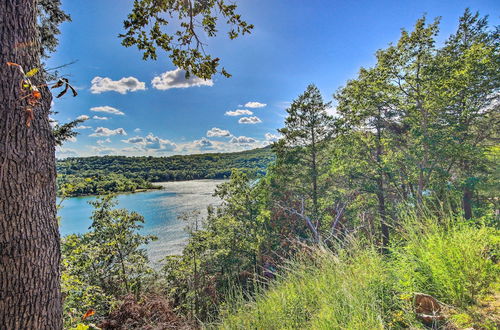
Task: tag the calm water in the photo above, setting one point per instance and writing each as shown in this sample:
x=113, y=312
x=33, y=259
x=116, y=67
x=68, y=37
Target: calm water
x=160, y=209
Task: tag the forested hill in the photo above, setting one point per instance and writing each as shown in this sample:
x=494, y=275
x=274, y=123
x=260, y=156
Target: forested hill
x=101, y=174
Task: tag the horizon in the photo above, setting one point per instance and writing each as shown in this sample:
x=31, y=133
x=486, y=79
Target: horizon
x=174, y=155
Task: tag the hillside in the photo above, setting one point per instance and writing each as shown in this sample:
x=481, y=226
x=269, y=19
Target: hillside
x=101, y=174
x=356, y=287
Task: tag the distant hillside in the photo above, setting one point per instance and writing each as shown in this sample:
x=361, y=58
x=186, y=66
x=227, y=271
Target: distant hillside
x=101, y=174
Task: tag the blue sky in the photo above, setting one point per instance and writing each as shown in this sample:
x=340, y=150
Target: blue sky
x=138, y=107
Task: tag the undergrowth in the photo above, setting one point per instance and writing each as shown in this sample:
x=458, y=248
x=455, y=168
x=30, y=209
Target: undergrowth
x=359, y=288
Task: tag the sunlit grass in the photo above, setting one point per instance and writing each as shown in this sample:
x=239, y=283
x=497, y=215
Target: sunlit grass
x=358, y=288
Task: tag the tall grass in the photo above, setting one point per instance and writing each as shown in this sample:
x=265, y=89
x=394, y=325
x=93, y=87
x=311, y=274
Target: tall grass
x=449, y=258
x=358, y=288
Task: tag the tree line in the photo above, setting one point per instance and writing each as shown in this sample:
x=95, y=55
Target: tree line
x=112, y=174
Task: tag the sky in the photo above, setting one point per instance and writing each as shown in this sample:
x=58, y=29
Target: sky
x=136, y=107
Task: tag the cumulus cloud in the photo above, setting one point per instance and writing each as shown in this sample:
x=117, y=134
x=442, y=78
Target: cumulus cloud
x=242, y=140
x=137, y=130
x=217, y=132
x=100, y=118
x=83, y=127
x=101, y=142
x=53, y=122
x=135, y=139
x=239, y=112
x=151, y=142
x=104, y=131
x=249, y=120
x=82, y=117
x=122, y=86
x=107, y=109
x=271, y=137
x=177, y=79
x=203, y=144
x=255, y=105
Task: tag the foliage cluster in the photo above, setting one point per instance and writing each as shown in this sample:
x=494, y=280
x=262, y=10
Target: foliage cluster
x=98, y=175
x=106, y=263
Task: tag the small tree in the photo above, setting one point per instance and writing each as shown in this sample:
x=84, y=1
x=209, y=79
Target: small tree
x=107, y=261
x=300, y=151
x=469, y=79
x=365, y=105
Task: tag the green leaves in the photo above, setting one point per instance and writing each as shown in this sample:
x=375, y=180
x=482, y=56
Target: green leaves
x=146, y=24
x=105, y=263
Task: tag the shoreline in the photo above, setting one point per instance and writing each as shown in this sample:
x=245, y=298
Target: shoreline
x=157, y=187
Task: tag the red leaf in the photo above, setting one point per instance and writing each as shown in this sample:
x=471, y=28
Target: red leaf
x=37, y=95
x=89, y=313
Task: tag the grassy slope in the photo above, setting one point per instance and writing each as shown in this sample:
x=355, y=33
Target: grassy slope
x=359, y=289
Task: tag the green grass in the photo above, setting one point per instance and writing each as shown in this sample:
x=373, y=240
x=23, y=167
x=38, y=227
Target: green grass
x=357, y=288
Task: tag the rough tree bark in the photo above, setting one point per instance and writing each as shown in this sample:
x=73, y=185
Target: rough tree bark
x=30, y=296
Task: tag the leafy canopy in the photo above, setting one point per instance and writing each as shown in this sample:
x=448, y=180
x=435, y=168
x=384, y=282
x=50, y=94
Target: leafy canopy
x=146, y=29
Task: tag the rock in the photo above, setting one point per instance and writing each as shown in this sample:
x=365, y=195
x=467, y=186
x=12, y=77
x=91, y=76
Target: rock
x=426, y=304
x=427, y=308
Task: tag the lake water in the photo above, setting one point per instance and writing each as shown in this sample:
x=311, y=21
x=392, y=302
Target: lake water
x=160, y=208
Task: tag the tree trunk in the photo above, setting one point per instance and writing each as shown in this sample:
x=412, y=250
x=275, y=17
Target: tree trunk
x=467, y=202
x=380, y=186
x=30, y=296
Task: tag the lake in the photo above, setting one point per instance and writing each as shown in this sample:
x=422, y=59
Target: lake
x=160, y=208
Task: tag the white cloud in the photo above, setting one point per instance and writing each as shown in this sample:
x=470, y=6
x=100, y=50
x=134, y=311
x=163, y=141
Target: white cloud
x=177, y=79
x=151, y=142
x=271, y=137
x=255, y=105
x=242, y=140
x=137, y=130
x=101, y=142
x=135, y=139
x=100, y=150
x=71, y=139
x=66, y=152
x=249, y=120
x=104, y=131
x=284, y=104
x=239, y=112
x=122, y=86
x=217, y=132
x=100, y=118
x=107, y=109
x=53, y=122
x=204, y=144
x=82, y=117
x=83, y=127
